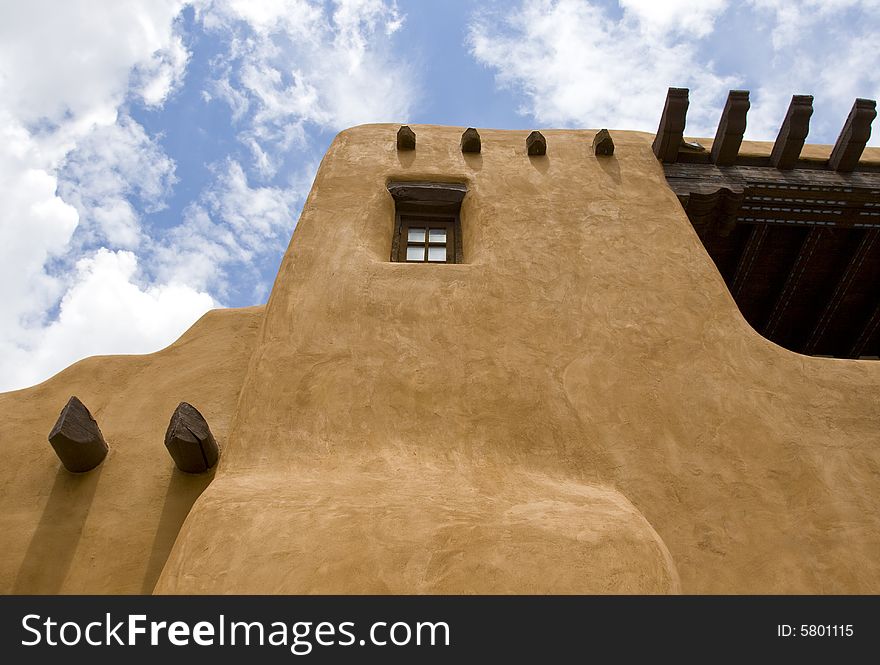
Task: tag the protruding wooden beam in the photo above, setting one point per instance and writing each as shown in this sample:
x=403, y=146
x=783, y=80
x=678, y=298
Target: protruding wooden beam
x=77, y=439
x=793, y=132
x=853, y=137
x=603, y=145
x=470, y=140
x=843, y=284
x=670, y=134
x=406, y=138
x=189, y=440
x=792, y=281
x=731, y=128
x=536, y=144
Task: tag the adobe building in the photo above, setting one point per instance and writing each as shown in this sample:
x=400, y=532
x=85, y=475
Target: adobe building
x=597, y=372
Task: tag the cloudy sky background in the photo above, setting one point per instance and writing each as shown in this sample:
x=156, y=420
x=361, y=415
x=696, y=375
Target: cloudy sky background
x=155, y=155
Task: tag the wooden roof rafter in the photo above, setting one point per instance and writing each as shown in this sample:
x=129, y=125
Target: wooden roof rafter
x=670, y=147
x=796, y=240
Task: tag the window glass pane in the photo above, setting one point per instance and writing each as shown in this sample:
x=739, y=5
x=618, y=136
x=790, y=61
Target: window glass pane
x=416, y=252
x=437, y=235
x=436, y=253
x=416, y=235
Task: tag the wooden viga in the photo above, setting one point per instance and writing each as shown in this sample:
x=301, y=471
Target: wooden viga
x=712, y=184
x=796, y=240
x=670, y=146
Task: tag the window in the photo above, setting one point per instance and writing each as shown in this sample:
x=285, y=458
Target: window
x=430, y=239
x=427, y=227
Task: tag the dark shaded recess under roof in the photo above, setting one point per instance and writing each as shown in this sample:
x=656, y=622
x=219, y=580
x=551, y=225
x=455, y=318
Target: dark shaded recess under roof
x=795, y=240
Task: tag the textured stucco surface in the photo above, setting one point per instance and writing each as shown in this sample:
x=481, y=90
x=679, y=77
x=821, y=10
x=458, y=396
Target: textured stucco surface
x=586, y=351
x=110, y=530
x=579, y=407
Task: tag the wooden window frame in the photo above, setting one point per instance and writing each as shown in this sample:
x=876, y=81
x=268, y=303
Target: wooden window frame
x=427, y=205
x=406, y=221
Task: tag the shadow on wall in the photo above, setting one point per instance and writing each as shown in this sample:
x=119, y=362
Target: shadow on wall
x=183, y=490
x=473, y=160
x=611, y=167
x=55, y=540
x=50, y=553
x=541, y=163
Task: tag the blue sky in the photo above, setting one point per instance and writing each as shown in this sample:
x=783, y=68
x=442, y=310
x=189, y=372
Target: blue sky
x=155, y=155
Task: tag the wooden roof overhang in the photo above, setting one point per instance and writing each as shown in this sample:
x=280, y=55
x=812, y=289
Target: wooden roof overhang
x=795, y=240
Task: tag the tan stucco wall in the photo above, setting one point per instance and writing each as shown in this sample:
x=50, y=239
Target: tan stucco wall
x=110, y=530
x=579, y=407
x=468, y=427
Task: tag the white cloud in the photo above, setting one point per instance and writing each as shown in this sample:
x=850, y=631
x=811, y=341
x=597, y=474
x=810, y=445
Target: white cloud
x=82, y=175
x=232, y=225
x=295, y=63
x=65, y=71
x=794, y=20
x=74, y=59
x=254, y=213
x=576, y=65
x=163, y=73
x=35, y=226
x=104, y=311
x=682, y=16
x=111, y=169
x=821, y=47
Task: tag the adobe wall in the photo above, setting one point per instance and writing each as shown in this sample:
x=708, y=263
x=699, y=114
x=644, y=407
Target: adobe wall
x=579, y=407
x=110, y=530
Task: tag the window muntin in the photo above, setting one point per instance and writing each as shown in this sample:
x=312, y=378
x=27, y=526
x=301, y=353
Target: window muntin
x=428, y=239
